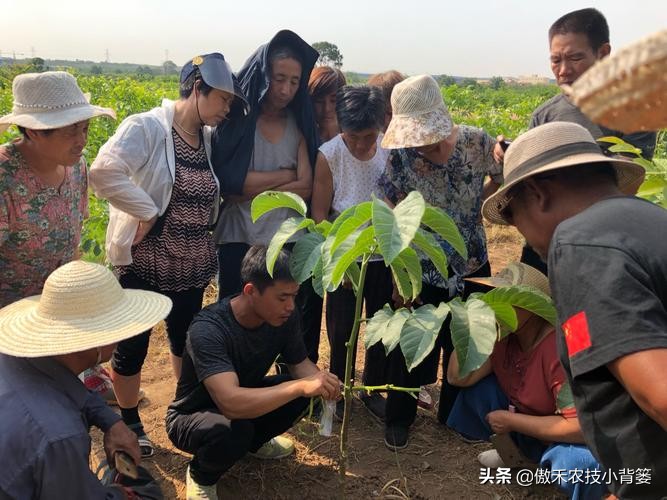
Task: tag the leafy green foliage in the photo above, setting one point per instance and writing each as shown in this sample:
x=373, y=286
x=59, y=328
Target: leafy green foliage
x=473, y=331
x=396, y=228
x=420, y=332
x=654, y=187
x=503, y=300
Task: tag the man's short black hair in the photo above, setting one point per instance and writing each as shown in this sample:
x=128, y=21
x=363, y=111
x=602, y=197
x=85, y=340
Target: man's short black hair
x=359, y=108
x=253, y=268
x=589, y=22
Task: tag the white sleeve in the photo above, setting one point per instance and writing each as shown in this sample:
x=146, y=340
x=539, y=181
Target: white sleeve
x=124, y=154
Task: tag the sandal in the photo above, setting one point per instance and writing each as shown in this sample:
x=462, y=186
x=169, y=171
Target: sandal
x=145, y=444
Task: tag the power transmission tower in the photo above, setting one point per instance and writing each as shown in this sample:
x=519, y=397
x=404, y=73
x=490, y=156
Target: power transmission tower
x=106, y=52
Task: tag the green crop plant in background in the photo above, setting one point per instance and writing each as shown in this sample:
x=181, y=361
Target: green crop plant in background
x=331, y=253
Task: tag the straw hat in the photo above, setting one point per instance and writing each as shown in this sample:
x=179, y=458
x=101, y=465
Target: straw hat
x=517, y=273
x=82, y=306
x=549, y=147
x=420, y=116
x=628, y=90
x=49, y=100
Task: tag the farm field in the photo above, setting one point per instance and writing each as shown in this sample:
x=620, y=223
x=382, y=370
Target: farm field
x=437, y=464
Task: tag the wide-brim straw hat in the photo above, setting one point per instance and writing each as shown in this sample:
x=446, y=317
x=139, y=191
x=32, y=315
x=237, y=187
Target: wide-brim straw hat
x=419, y=114
x=49, y=100
x=628, y=90
x=549, y=147
x=82, y=306
x=517, y=273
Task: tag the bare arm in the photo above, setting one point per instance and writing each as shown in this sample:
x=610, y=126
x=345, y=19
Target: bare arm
x=322, y=189
x=258, y=182
x=551, y=428
x=644, y=376
x=304, y=369
x=472, y=378
x=236, y=402
x=303, y=185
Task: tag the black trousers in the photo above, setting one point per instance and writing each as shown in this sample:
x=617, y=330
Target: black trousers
x=130, y=354
x=401, y=408
x=340, y=319
x=230, y=256
x=217, y=443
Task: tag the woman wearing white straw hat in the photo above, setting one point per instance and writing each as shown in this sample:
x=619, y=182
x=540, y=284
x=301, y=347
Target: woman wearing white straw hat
x=45, y=341
x=521, y=400
x=448, y=165
x=163, y=194
x=43, y=185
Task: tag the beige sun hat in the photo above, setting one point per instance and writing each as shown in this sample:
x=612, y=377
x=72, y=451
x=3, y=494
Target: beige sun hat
x=549, y=147
x=49, y=100
x=420, y=116
x=628, y=90
x=82, y=306
x=517, y=273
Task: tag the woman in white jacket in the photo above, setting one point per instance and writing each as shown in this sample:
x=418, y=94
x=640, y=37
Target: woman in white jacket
x=164, y=196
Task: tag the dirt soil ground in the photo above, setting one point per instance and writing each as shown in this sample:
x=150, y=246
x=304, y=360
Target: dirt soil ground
x=436, y=465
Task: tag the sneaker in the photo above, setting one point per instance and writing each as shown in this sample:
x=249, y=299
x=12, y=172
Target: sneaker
x=195, y=491
x=278, y=447
x=396, y=437
x=490, y=459
x=375, y=404
x=424, y=399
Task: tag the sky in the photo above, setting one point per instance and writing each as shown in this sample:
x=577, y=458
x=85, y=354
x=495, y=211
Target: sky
x=463, y=38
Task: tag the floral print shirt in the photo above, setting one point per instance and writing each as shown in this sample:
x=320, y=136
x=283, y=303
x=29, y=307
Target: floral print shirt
x=455, y=187
x=40, y=226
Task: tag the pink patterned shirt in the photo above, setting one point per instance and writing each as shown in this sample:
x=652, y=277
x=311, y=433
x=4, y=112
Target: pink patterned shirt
x=40, y=226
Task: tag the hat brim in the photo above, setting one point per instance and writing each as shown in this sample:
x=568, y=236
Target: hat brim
x=47, y=120
x=408, y=131
x=25, y=333
x=628, y=174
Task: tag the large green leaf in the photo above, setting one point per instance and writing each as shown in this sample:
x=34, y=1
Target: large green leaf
x=352, y=274
x=505, y=317
x=445, y=226
x=305, y=254
x=525, y=297
x=395, y=229
x=286, y=230
x=427, y=243
x=342, y=217
x=421, y=331
x=409, y=260
x=401, y=278
x=356, y=245
x=386, y=326
x=473, y=331
x=270, y=200
x=317, y=278
x=361, y=215
x=323, y=227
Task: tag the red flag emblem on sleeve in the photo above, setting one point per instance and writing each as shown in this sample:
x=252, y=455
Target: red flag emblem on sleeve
x=577, y=336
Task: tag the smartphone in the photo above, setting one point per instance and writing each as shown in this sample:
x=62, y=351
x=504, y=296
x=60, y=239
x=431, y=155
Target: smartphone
x=125, y=465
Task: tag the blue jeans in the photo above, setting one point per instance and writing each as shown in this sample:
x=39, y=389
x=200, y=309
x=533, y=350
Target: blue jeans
x=468, y=418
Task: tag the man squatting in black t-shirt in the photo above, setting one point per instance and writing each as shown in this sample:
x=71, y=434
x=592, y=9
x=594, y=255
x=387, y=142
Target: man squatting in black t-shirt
x=225, y=404
x=607, y=255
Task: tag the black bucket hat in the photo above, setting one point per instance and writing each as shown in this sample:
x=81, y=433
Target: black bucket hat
x=216, y=73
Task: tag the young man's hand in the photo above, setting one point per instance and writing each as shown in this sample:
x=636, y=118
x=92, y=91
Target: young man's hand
x=323, y=384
